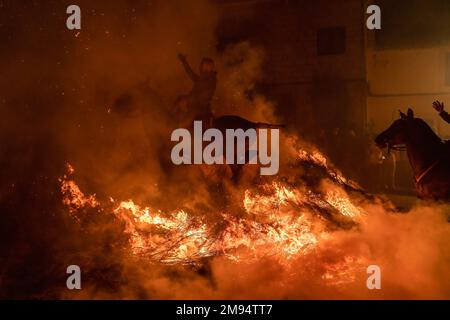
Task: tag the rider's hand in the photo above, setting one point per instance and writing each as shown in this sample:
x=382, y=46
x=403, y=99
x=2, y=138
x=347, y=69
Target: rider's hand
x=439, y=106
x=182, y=57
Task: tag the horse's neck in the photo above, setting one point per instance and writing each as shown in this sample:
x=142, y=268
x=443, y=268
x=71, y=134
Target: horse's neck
x=422, y=155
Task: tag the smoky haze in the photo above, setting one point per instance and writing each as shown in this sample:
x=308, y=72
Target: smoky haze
x=59, y=100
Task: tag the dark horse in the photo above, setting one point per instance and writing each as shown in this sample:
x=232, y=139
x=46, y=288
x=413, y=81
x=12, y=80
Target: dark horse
x=428, y=155
x=142, y=101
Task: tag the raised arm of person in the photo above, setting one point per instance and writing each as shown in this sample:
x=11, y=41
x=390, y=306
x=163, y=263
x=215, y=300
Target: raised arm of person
x=194, y=77
x=439, y=106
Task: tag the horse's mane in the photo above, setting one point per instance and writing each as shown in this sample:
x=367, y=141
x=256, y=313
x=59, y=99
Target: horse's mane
x=427, y=132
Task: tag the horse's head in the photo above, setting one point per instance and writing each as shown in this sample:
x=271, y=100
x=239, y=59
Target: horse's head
x=397, y=133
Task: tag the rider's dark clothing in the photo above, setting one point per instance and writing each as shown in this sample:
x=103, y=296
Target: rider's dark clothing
x=445, y=116
x=199, y=99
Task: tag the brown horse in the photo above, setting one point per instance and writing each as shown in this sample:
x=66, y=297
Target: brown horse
x=427, y=154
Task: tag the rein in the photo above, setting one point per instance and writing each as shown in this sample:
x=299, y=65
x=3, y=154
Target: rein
x=419, y=177
x=426, y=171
x=398, y=148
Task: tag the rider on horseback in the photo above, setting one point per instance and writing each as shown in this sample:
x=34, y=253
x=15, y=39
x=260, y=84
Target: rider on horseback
x=198, y=101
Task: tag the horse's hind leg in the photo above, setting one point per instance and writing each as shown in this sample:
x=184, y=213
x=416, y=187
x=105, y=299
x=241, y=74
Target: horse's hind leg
x=237, y=169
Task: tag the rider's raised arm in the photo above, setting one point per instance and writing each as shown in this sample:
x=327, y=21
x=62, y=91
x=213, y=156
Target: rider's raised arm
x=194, y=77
x=439, y=107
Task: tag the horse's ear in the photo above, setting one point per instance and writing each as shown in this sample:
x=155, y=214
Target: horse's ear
x=410, y=113
x=402, y=115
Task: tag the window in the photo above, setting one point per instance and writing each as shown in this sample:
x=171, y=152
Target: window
x=331, y=41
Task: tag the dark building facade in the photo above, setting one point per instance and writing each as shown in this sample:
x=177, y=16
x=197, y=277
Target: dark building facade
x=315, y=65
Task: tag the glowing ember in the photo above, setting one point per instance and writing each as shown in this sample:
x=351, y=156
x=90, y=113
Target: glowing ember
x=343, y=204
x=73, y=197
x=280, y=221
x=319, y=159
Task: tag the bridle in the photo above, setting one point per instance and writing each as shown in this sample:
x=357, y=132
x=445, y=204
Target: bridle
x=396, y=147
x=419, y=177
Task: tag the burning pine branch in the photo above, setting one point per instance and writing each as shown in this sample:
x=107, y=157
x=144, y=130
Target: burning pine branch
x=280, y=221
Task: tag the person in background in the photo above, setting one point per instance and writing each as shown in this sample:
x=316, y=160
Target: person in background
x=439, y=106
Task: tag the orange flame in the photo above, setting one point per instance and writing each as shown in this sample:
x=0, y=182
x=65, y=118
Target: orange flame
x=278, y=222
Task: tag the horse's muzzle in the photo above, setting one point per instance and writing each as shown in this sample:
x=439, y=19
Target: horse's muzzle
x=380, y=142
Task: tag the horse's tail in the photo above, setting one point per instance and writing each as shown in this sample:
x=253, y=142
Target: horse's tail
x=269, y=125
